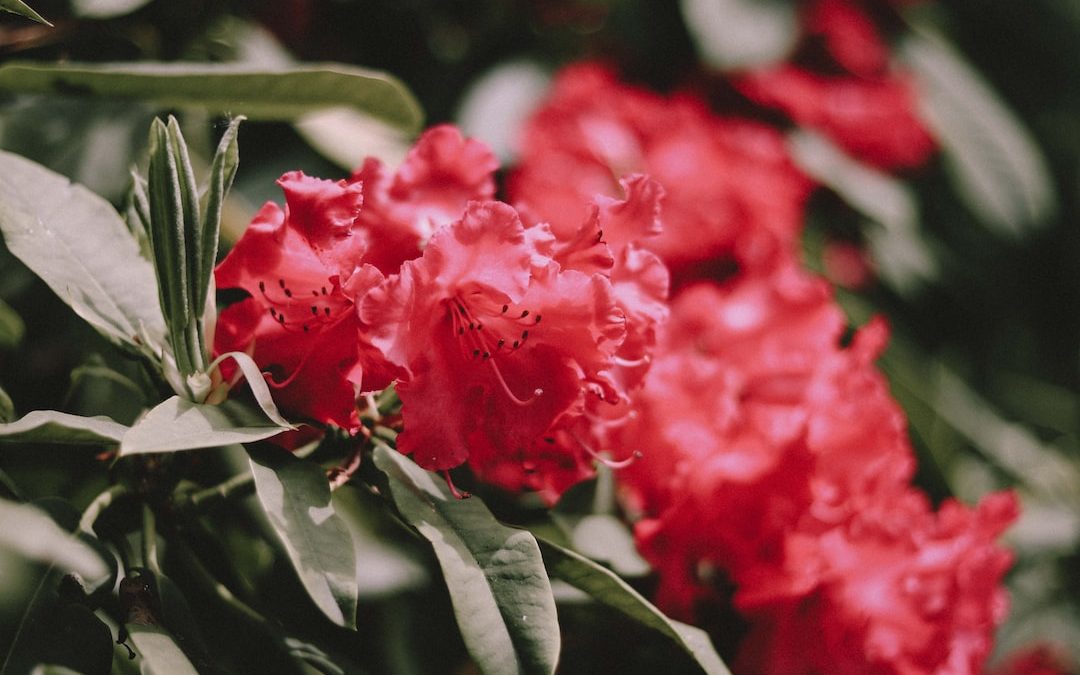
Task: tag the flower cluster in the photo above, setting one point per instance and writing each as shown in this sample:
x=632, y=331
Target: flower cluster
x=758, y=448
x=505, y=337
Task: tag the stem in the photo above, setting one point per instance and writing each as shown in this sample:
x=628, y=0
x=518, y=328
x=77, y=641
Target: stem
x=240, y=485
x=98, y=505
x=216, y=588
x=149, y=540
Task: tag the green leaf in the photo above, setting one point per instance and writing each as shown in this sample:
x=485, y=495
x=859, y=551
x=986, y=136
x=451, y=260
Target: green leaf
x=495, y=574
x=178, y=424
x=50, y=426
x=259, y=389
x=79, y=245
x=7, y=408
x=222, y=171
x=160, y=653
x=295, y=495
x=904, y=259
x=21, y=8
x=275, y=93
x=11, y=327
x=607, y=588
x=996, y=165
x=105, y=9
x=30, y=532
x=734, y=34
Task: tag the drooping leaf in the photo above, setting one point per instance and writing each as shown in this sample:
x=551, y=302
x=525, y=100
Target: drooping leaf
x=178, y=424
x=733, y=34
x=295, y=495
x=11, y=327
x=901, y=253
x=259, y=389
x=159, y=652
x=495, y=574
x=79, y=245
x=996, y=165
x=50, y=426
x=607, y=588
x=276, y=93
x=21, y=8
x=31, y=533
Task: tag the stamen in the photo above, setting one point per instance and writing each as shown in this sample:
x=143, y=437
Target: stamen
x=525, y=314
x=505, y=307
x=537, y=318
x=458, y=494
x=314, y=310
x=628, y=363
x=537, y=393
x=609, y=463
x=262, y=287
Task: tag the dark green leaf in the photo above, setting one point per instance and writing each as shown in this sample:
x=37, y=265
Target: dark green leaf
x=495, y=574
x=21, y=8
x=295, y=495
x=178, y=424
x=222, y=171
x=284, y=93
x=50, y=426
x=11, y=327
x=159, y=652
x=734, y=34
x=7, y=408
x=996, y=165
x=77, y=243
x=607, y=588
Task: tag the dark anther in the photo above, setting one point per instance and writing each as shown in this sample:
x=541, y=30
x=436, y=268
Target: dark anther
x=472, y=326
x=505, y=307
x=273, y=312
x=525, y=314
x=549, y=439
x=460, y=330
x=324, y=290
x=524, y=335
x=305, y=328
x=537, y=318
x=479, y=326
x=288, y=293
x=487, y=355
x=281, y=319
x=476, y=352
x=262, y=287
x=599, y=236
x=501, y=342
x=315, y=292
x=314, y=310
x=281, y=282
x=515, y=345
x=326, y=310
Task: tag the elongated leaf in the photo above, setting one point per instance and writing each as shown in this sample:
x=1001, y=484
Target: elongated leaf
x=259, y=389
x=495, y=574
x=11, y=327
x=21, y=8
x=733, y=34
x=7, y=408
x=79, y=245
x=607, y=588
x=31, y=533
x=296, y=497
x=50, y=426
x=160, y=653
x=222, y=171
x=901, y=252
x=284, y=93
x=996, y=165
x=105, y=9
x=178, y=424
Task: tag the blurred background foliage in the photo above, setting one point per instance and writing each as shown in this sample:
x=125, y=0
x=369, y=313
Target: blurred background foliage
x=985, y=356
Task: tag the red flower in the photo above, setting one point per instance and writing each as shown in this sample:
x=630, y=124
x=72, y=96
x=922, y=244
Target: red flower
x=850, y=36
x=496, y=341
x=874, y=119
x=732, y=194
x=299, y=322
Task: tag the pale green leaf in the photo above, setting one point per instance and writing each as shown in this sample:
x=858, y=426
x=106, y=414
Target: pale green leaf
x=903, y=257
x=50, y=426
x=30, y=532
x=80, y=246
x=995, y=163
x=7, y=408
x=222, y=171
x=277, y=93
x=735, y=34
x=495, y=575
x=608, y=589
x=21, y=8
x=178, y=424
x=496, y=105
x=159, y=652
x=259, y=389
x=105, y=9
x=295, y=494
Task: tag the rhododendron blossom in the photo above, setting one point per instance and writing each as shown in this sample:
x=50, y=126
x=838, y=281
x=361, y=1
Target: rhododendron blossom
x=306, y=267
x=495, y=339
x=732, y=194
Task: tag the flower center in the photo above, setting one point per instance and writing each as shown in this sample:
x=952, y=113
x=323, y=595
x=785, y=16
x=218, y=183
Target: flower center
x=502, y=335
x=303, y=310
